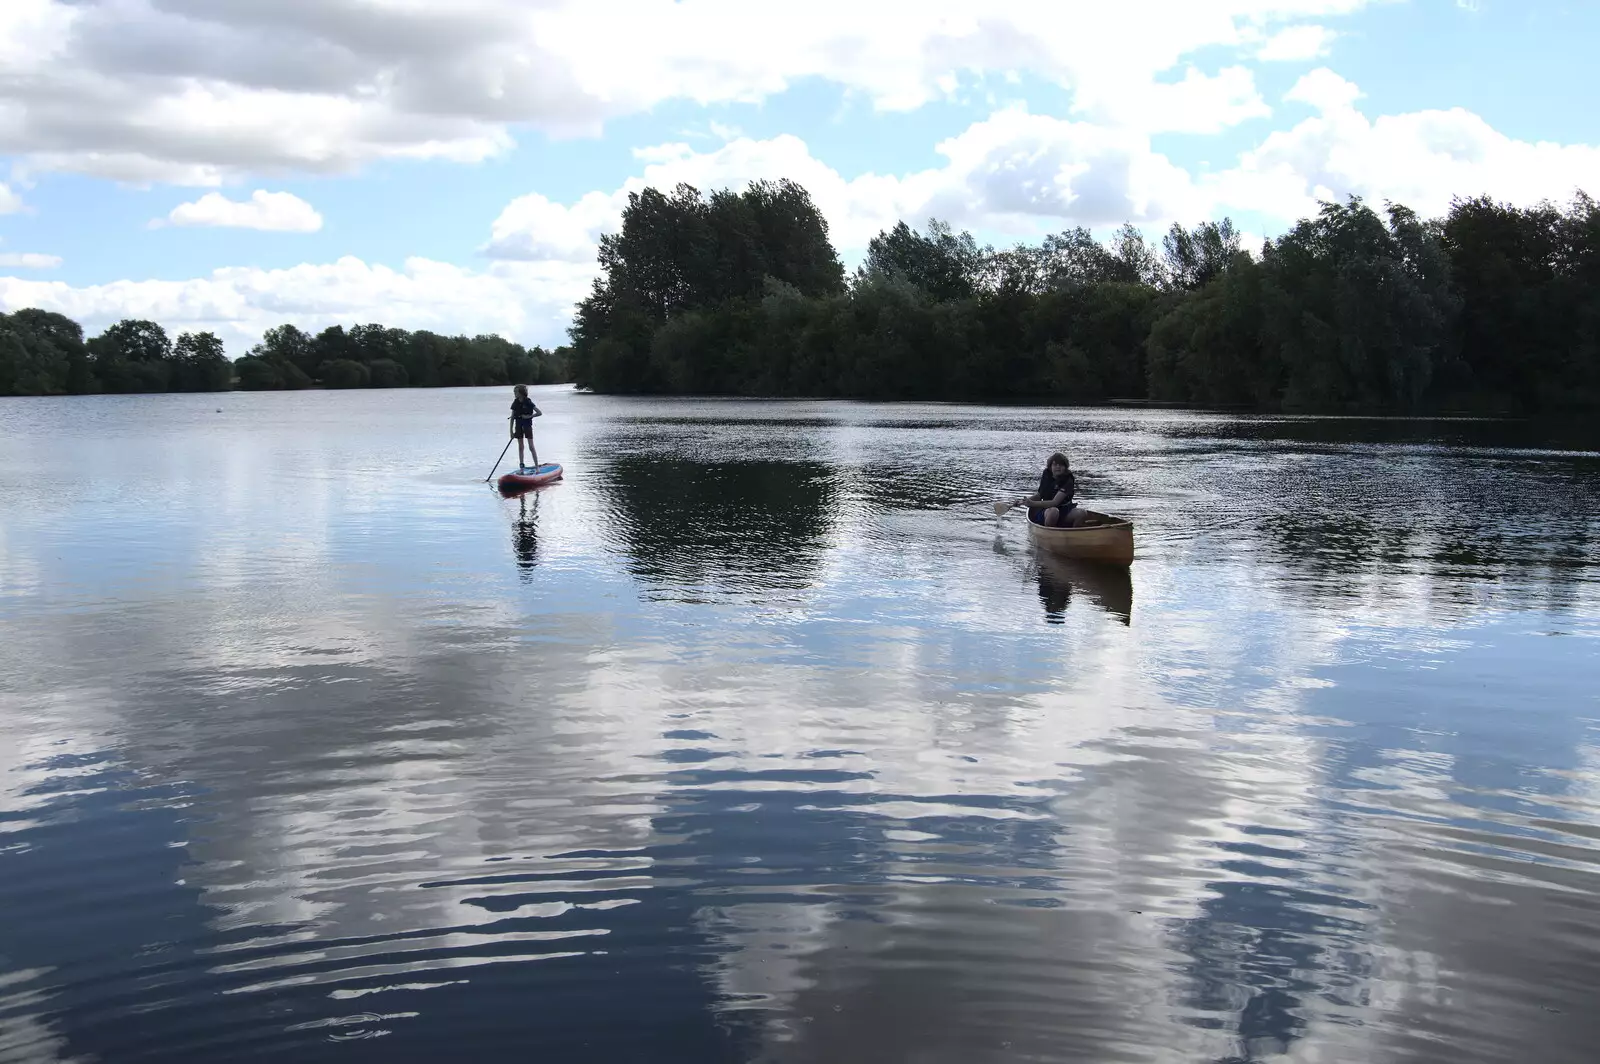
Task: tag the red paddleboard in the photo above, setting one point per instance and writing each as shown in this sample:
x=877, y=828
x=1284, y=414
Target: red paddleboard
x=531, y=476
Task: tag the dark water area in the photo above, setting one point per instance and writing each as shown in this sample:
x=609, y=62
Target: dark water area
x=760, y=738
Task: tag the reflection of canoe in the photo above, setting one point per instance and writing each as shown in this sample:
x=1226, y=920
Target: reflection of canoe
x=1111, y=586
x=530, y=476
x=1103, y=539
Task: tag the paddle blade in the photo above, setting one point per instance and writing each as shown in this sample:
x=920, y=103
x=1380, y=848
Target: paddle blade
x=1001, y=508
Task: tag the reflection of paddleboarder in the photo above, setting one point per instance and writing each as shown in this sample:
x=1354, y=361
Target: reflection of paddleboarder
x=525, y=535
x=523, y=411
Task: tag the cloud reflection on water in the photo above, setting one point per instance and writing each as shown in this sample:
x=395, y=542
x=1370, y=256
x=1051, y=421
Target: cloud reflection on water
x=839, y=794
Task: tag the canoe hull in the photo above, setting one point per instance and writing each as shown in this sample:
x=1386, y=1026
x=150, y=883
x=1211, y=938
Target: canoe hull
x=1109, y=540
x=526, y=477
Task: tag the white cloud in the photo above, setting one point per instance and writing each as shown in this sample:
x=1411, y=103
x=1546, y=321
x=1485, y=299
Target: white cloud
x=1297, y=44
x=27, y=260
x=1201, y=104
x=200, y=93
x=1013, y=173
x=281, y=212
x=531, y=302
x=10, y=202
x=1325, y=91
x=1017, y=172
x=1421, y=159
x=532, y=227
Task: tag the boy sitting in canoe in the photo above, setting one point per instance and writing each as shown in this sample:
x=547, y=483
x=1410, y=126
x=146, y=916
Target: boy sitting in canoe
x=1053, y=505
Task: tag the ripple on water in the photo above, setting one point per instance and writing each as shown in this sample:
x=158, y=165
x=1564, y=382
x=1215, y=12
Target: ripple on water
x=761, y=739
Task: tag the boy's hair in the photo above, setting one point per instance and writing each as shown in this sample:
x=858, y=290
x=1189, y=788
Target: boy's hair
x=520, y=389
x=1058, y=457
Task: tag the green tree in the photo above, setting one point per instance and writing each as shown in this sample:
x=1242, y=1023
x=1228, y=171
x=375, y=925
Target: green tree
x=345, y=373
x=331, y=345
x=199, y=364
x=794, y=238
x=292, y=351
x=42, y=353
x=1207, y=346
x=1074, y=259
x=682, y=253
x=740, y=292
x=941, y=263
x=1530, y=303
x=1357, y=311
x=422, y=356
x=19, y=373
x=1195, y=259
x=1134, y=261
x=387, y=373
x=133, y=355
x=258, y=374
x=371, y=343
x=133, y=340
x=45, y=353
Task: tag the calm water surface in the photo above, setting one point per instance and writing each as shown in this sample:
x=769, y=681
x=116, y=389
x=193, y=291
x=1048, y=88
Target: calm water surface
x=760, y=739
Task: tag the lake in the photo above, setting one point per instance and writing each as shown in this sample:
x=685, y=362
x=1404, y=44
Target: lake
x=760, y=738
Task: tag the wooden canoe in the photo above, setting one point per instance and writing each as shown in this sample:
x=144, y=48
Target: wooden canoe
x=1104, y=539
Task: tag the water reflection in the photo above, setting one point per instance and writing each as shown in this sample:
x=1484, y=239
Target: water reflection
x=1110, y=587
x=525, y=529
x=909, y=485
x=703, y=527
x=341, y=784
x=1333, y=556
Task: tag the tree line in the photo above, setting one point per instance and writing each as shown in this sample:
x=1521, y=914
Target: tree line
x=1491, y=309
x=44, y=353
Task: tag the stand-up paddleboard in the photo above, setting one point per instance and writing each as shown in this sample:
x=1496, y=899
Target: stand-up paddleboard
x=531, y=476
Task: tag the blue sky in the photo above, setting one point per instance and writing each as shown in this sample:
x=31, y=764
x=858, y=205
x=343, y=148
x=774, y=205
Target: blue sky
x=449, y=164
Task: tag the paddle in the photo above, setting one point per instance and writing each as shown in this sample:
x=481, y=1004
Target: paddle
x=502, y=458
x=1089, y=521
x=497, y=462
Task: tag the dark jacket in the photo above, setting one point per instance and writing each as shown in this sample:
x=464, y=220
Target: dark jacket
x=1049, y=487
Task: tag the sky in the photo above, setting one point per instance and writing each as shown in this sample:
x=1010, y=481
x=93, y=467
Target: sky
x=231, y=165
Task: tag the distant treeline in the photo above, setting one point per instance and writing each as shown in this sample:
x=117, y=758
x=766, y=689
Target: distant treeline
x=1492, y=309
x=42, y=353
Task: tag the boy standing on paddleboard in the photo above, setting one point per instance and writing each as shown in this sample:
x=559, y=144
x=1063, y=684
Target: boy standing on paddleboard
x=523, y=411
